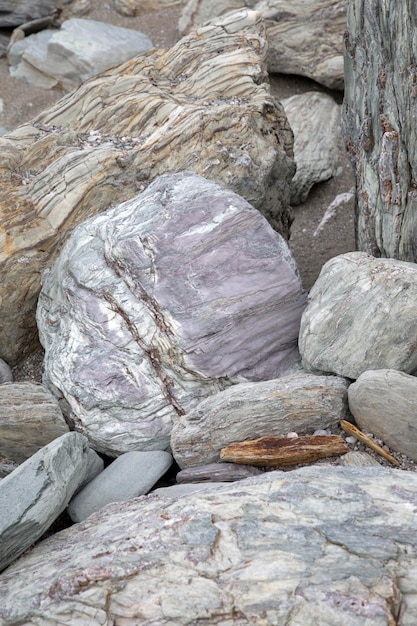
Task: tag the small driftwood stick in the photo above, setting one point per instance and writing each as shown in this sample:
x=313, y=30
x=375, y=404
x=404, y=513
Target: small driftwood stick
x=284, y=452
x=353, y=430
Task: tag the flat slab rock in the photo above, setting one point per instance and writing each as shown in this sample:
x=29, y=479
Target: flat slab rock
x=299, y=403
x=383, y=402
x=318, y=545
x=205, y=106
x=177, y=293
x=361, y=316
x=305, y=36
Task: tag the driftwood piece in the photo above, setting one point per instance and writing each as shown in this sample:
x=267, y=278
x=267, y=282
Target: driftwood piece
x=284, y=452
x=380, y=126
x=352, y=430
x=205, y=105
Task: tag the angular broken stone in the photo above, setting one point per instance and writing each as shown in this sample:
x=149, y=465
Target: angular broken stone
x=205, y=105
x=305, y=36
x=301, y=403
x=162, y=301
x=284, y=452
x=30, y=418
x=16, y=12
x=361, y=316
x=314, y=118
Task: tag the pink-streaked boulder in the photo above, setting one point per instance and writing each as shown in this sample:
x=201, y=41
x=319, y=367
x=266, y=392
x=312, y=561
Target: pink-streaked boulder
x=162, y=301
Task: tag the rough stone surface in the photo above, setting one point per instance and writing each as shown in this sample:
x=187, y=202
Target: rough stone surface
x=205, y=105
x=216, y=472
x=80, y=49
x=33, y=496
x=383, y=402
x=358, y=459
x=299, y=403
x=132, y=474
x=16, y=12
x=132, y=8
x=319, y=545
x=361, y=316
x=306, y=36
x=314, y=118
x=30, y=418
x=379, y=124
x=6, y=373
x=175, y=491
x=162, y=301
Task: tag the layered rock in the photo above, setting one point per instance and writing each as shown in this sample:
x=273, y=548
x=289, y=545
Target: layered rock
x=383, y=402
x=204, y=106
x=162, y=301
x=319, y=545
x=132, y=8
x=30, y=418
x=316, y=140
x=300, y=403
x=379, y=124
x=16, y=12
x=306, y=36
x=361, y=316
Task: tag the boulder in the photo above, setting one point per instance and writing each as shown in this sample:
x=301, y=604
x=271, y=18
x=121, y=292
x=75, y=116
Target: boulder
x=33, y=496
x=300, y=402
x=379, y=124
x=314, y=118
x=205, y=105
x=361, y=316
x=306, y=36
x=30, y=418
x=16, y=12
x=81, y=48
x=383, y=402
x=318, y=545
x=162, y=301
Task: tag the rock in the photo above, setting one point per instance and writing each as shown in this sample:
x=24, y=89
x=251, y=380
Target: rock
x=132, y=474
x=16, y=12
x=284, y=452
x=175, y=491
x=318, y=545
x=30, y=418
x=379, y=125
x=80, y=7
x=314, y=118
x=6, y=374
x=102, y=144
x=383, y=402
x=33, y=496
x=301, y=402
x=67, y=57
x=305, y=36
x=216, y=472
x=358, y=459
x=361, y=316
x=133, y=8
x=7, y=467
x=95, y=465
x=177, y=293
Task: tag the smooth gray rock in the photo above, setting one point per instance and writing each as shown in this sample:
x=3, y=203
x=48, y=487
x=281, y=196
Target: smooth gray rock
x=300, y=403
x=361, y=316
x=216, y=472
x=30, y=418
x=162, y=301
x=379, y=124
x=16, y=12
x=33, y=496
x=130, y=475
x=305, y=36
x=315, y=119
x=80, y=49
x=383, y=402
x=6, y=373
x=315, y=546
x=95, y=465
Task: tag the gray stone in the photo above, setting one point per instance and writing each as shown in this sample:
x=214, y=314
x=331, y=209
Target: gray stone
x=357, y=459
x=6, y=374
x=301, y=403
x=30, y=418
x=383, y=402
x=95, y=465
x=199, y=106
x=133, y=8
x=162, y=301
x=132, y=474
x=216, y=472
x=80, y=49
x=361, y=316
x=315, y=546
x=305, y=36
x=16, y=12
x=175, y=491
x=33, y=496
x=314, y=118
x=379, y=124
